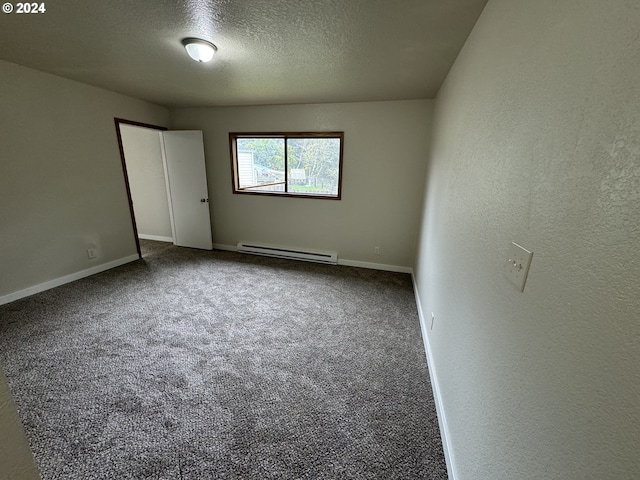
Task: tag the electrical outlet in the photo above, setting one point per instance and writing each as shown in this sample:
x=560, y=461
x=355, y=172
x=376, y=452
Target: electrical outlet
x=376, y=250
x=517, y=265
x=91, y=253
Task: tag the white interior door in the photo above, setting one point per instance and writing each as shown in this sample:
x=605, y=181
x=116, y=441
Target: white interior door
x=183, y=154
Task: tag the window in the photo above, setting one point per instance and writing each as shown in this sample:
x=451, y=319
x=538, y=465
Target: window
x=291, y=164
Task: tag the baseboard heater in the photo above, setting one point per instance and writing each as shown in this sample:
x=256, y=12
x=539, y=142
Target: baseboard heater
x=291, y=253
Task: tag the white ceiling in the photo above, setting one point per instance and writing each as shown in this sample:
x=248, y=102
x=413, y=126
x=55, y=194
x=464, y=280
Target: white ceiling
x=269, y=51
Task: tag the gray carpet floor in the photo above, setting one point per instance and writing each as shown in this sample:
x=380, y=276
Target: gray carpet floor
x=189, y=364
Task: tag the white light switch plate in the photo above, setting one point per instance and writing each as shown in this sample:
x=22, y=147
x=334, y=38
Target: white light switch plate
x=517, y=265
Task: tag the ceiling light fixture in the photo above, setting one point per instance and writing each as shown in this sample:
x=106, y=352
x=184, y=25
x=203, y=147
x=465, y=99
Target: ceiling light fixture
x=199, y=50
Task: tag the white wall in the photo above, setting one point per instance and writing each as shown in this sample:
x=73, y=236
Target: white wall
x=147, y=181
x=382, y=183
x=61, y=182
x=537, y=140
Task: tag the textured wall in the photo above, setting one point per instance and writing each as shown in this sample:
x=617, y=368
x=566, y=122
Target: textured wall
x=382, y=183
x=146, y=180
x=537, y=140
x=61, y=183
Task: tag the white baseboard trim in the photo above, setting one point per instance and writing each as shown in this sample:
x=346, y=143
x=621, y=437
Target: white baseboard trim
x=374, y=266
x=222, y=246
x=157, y=238
x=442, y=418
x=66, y=279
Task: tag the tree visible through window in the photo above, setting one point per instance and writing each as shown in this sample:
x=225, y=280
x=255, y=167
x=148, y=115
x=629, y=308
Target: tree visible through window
x=294, y=164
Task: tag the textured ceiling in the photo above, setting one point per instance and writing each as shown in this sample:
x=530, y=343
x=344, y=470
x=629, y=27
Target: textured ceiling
x=269, y=51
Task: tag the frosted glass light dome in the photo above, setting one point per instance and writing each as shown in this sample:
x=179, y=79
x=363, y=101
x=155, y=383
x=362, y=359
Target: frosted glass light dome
x=199, y=50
